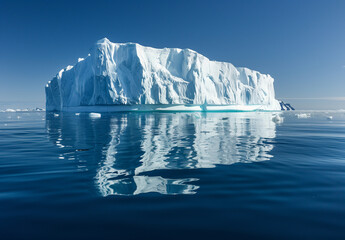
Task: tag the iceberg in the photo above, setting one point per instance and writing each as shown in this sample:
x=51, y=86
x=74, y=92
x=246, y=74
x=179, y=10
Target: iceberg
x=131, y=77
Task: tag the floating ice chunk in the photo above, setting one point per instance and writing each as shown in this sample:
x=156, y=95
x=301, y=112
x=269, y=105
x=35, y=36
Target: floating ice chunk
x=95, y=115
x=303, y=115
x=56, y=115
x=329, y=117
x=277, y=119
x=77, y=114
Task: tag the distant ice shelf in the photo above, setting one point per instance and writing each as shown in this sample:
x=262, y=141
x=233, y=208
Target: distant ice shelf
x=131, y=77
x=23, y=110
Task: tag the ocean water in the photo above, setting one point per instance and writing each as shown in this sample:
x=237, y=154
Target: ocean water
x=172, y=176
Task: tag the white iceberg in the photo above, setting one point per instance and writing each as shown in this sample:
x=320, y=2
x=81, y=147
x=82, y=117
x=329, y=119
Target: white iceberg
x=128, y=76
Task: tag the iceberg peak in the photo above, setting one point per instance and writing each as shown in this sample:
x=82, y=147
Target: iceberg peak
x=103, y=41
x=129, y=74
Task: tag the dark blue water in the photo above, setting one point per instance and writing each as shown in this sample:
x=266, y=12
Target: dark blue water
x=172, y=176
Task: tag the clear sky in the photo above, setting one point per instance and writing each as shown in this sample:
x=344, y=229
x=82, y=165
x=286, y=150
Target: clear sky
x=300, y=43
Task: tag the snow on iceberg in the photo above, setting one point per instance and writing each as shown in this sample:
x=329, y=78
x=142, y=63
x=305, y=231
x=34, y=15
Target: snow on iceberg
x=128, y=76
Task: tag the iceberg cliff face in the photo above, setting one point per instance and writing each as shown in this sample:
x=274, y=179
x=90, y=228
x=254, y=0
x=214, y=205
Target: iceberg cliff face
x=133, y=75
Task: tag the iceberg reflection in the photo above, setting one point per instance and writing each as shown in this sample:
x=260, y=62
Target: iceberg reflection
x=135, y=151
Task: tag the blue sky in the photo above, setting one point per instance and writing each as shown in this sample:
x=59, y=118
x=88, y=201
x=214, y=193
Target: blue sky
x=300, y=43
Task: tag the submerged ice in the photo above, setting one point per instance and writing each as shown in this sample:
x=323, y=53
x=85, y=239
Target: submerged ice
x=129, y=74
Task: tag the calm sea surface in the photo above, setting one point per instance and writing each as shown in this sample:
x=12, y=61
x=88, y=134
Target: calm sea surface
x=172, y=176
